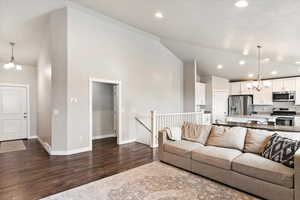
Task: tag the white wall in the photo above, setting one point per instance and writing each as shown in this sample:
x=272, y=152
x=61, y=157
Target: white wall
x=190, y=78
x=59, y=58
x=103, y=110
x=29, y=77
x=44, y=90
x=151, y=75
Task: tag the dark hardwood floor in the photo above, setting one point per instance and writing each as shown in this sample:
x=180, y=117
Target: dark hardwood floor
x=32, y=174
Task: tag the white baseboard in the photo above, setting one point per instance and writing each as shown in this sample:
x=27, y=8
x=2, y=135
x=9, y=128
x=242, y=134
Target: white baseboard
x=96, y=137
x=46, y=146
x=32, y=137
x=70, y=152
x=127, y=141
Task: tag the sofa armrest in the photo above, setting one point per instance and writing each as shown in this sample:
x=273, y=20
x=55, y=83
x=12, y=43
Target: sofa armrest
x=162, y=138
x=297, y=174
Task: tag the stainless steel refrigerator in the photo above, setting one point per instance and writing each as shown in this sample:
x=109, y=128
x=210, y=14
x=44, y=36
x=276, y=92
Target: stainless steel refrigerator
x=240, y=105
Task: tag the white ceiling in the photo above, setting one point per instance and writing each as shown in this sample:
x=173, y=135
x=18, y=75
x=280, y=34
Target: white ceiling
x=23, y=22
x=211, y=31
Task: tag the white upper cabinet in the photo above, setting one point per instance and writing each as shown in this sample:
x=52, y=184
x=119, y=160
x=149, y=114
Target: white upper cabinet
x=245, y=87
x=235, y=88
x=289, y=84
x=297, y=89
x=280, y=85
x=277, y=85
x=200, y=93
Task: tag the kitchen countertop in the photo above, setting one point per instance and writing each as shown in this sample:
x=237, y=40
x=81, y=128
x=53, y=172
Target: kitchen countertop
x=261, y=126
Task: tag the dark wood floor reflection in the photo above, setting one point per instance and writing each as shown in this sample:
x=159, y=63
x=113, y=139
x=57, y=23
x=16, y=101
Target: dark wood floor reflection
x=32, y=174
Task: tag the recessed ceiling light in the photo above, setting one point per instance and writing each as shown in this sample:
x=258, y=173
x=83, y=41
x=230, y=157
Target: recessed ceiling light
x=242, y=62
x=266, y=60
x=297, y=62
x=250, y=75
x=220, y=66
x=159, y=15
x=274, y=72
x=241, y=4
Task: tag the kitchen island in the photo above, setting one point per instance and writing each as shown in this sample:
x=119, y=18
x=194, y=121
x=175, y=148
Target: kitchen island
x=260, y=126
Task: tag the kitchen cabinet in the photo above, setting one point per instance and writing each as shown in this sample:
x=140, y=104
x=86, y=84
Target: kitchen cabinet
x=200, y=93
x=245, y=88
x=280, y=85
x=289, y=84
x=235, y=88
x=297, y=89
x=297, y=121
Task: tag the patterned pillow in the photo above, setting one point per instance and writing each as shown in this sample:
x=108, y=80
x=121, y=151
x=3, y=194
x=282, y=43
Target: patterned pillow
x=281, y=149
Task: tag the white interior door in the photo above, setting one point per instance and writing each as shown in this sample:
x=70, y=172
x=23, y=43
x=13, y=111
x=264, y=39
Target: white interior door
x=220, y=105
x=117, y=112
x=13, y=113
x=115, y=92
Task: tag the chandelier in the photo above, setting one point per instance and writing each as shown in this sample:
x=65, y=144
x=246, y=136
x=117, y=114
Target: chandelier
x=259, y=84
x=12, y=64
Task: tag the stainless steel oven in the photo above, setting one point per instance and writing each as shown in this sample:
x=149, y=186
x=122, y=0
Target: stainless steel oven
x=285, y=121
x=284, y=96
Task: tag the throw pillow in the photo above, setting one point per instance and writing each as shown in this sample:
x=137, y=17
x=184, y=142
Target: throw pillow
x=195, y=132
x=227, y=137
x=281, y=149
x=174, y=133
x=256, y=140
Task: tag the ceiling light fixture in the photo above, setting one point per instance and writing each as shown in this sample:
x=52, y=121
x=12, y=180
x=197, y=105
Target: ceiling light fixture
x=274, y=72
x=266, y=60
x=159, y=15
x=297, y=62
x=242, y=62
x=220, y=66
x=250, y=75
x=12, y=64
x=241, y=4
x=258, y=85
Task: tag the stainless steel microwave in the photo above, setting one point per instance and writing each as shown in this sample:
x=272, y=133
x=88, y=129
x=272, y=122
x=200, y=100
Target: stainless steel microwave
x=284, y=96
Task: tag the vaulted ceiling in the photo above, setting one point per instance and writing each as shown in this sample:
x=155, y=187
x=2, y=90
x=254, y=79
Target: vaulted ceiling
x=213, y=32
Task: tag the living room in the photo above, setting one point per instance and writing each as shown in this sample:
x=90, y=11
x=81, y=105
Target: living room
x=149, y=99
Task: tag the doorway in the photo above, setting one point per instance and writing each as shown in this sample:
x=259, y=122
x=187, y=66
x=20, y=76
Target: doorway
x=14, y=112
x=220, y=105
x=105, y=107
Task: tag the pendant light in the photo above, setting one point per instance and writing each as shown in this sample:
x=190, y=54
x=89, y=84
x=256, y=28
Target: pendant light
x=258, y=85
x=12, y=64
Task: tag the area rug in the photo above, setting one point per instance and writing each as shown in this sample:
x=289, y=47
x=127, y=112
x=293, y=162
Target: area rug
x=154, y=181
x=11, y=146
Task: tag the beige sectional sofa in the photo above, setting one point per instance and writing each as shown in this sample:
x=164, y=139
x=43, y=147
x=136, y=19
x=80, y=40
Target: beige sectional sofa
x=249, y=172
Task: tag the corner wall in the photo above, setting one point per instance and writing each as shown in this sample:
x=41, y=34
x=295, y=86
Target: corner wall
x=151, y=75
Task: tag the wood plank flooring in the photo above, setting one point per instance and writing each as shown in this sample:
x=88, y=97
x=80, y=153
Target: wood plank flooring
x=32, y=174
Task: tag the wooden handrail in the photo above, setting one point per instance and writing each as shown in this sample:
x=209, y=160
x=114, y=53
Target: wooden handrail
x=143, y=124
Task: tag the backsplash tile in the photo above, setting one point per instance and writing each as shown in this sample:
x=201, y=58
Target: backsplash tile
x=268, y=109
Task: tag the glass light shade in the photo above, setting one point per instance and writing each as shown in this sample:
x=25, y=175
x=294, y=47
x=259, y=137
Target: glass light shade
x=267, y=83
x=9, y=65
x=19, y=68
x=249, y=85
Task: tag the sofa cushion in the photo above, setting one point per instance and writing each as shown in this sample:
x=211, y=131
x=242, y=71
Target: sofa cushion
x=256, y=140
x=181, y=147
x=195, y=132
x=281, y=149
x=261, y=168
x=216, y=156
x=227, y=137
